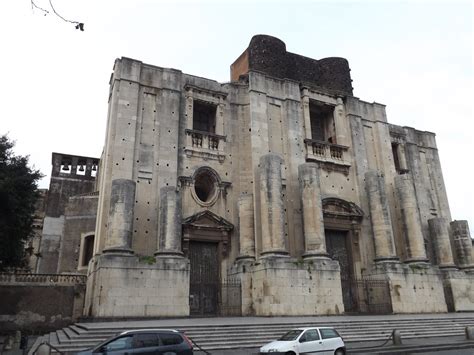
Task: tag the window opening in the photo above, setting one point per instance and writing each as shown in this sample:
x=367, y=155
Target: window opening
x=322, y=123
x=205, y=186
x=396, y=157
x=204, y=117
x=88, y=250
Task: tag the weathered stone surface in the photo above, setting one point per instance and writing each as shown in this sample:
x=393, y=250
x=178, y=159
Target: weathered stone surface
x=169, y=242
x=246, y=227
x=411, y=223
x=380, y=217
x=122, y=201
x=313, y=222
x=271, y=205
x=439, y=231
x=462, y=244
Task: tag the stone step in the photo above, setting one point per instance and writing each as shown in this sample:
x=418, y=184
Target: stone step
x=81, y=336
x=259, y=340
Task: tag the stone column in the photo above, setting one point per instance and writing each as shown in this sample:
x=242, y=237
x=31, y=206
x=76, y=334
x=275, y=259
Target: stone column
x=462, y=244
x=340, y=123
x=439, y=231
x=313, y=222
x=271, y=206
x=414, y=241
x=306, y=115
x=246, y=226
x=120, y=223
x=380, y=217
x=169, y=229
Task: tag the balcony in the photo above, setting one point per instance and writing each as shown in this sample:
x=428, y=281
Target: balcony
x=206, y=145
x=331, y=155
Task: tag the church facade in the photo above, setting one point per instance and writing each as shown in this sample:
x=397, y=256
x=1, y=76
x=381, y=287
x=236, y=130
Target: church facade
x=280, y=183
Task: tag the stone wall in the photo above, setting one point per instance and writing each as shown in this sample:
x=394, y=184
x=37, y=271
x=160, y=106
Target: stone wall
x=39, y=303
x=282, y=286
x=130, y=286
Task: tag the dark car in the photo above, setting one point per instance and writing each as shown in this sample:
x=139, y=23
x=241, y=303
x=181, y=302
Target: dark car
x=145, y=341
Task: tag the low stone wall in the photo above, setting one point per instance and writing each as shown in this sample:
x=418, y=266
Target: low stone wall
x=33, y=302
x=414, y=288
x=283, y=286
x=459, y=287
x=131, y=286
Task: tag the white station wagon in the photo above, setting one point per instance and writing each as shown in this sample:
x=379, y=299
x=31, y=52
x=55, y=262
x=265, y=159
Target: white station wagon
x=321, y=340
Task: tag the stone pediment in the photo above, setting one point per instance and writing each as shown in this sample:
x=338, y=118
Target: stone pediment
x=207, y=220
x=338, y=208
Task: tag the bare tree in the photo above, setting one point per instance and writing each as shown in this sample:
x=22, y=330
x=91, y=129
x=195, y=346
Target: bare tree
x=78, y=25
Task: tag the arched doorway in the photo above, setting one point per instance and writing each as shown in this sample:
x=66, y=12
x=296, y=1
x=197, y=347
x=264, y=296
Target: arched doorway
x=342, y=221
x=205, y=240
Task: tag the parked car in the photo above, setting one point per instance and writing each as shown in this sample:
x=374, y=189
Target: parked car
x=145, y=341
x=321, y=340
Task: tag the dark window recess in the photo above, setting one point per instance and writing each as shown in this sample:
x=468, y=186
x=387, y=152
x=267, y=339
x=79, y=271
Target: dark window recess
x=328, y=333
x=205, y=186
x=145, y=340
x=204, y=117
x=322, y=123
x=396, y=157
x=170, y=339
x=88, y=249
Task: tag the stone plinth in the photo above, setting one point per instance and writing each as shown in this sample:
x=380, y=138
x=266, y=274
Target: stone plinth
x=126, y=286
x=414, y=288
x=459, y=290
x=283, y=286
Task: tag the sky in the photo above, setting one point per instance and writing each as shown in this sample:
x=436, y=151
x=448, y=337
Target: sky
x=416, y=57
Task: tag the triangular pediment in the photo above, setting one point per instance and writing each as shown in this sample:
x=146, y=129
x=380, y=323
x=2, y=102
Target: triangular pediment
x=207, y=220
x=337, y=207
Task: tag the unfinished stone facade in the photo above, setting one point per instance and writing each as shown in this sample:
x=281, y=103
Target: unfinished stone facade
x=280, y=182
x=68, y=229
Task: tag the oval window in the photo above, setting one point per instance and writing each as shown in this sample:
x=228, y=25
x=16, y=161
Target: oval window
x=205, y=186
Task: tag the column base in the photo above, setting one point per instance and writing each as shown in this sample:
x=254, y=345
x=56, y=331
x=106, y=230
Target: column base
x=315, y=255
x=249, y=258
x=169, y=253
x=118, y=251
x=387, y=259
x=417, y=261
x=458, y=290
x=275, y=253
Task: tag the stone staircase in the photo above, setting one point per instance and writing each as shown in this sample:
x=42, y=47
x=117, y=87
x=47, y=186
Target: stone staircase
x=225, y=335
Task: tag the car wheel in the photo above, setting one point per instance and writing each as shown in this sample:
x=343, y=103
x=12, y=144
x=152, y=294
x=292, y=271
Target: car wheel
x=339, y=352
x=289, y=353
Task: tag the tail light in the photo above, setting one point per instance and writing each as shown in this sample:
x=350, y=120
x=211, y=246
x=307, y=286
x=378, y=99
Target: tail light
x=190, y=343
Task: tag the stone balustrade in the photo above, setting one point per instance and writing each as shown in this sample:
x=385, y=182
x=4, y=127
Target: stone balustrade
x=69, y=279
x=327, y=152
x=205, y=144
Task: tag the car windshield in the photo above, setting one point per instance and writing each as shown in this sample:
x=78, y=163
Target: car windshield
x=291, y=335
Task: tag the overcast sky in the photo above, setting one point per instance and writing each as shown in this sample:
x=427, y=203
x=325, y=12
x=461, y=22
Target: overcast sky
x=414, y=56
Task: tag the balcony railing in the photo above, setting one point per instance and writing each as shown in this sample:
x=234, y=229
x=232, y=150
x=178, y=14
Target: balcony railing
x=206, y=144
x=327, y=152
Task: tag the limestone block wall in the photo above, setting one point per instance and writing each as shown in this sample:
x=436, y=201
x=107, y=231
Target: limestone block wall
x=127, y=286
x=80, y=219
x=460, y=288
x=283, y=286
x=414, y=288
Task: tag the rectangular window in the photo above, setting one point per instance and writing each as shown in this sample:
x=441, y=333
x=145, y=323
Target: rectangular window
x=204, y=116
x=322, y=122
